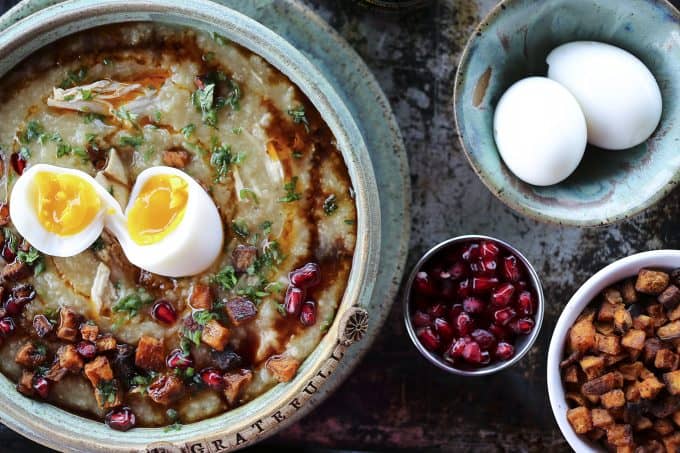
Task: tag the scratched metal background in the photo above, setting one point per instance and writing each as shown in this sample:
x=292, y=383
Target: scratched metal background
x=394, y=399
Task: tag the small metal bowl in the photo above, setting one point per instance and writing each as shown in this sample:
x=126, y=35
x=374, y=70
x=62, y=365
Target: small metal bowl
x=522, y=345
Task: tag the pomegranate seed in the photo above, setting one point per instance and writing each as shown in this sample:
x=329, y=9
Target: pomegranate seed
x=178, y=359
x=504, y=350
x=511, y=268
x=525, y=303
x=447, y=289
x=420, y=302
x=499, y=332
x=18, y=163
x=484, y=268
x=423, y=283
x=464, y=289
x=456, y=309
x=483, y=284
x=293, y=300
x=308, y=313
x=121, y=419
x=458, y=270
x=428, y=338
x=455, y=351
x=14, y=307
x=503, y=316
x=305, y=277
x=421, y=319
x=473, y=305
x=164, y=312
x=489, y=250
x=7, y=327
x=437, y=310
x=7, y=254
x=484, y=338
x=464, y=324
x=471, y=251
x=444, y=329
x=472, y=353
x=41, y=386
x=87, y=350
x=212, y=378
x=522, y=326
x=502, y=296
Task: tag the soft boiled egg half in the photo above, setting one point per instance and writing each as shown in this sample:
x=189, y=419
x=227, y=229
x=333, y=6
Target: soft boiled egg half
x=170, y=227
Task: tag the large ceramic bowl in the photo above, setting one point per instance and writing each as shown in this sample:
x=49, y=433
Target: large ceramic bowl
x=511, y=43
x=619, y=270
x=266, y=414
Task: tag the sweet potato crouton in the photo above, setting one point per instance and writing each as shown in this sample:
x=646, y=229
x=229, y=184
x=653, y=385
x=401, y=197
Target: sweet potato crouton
x=652, y=346
x=282, y=367
x=240, y=310
x=215, y=335
x=672, y=381
x=592, y=366
x=98, y=370
x=632, y=392
x=150, y=354
x=580, y=419
x=601, y=418
x=25, y=384
x=42, y=325
x=628, y=293
x=235, y=383
x=166, y=389
x=68, y=324
x=243, y=257
x=570, y=375
x=606, y=312
x=674, y=314
x=672, y=442
x=631, y=372
x=666, y=360
x=650, y=387
x=676, y=418
x=642, y=423
x=669, y=331
x=657, y=314
x=106, y=343
x=663, y=427
x=609, y=344
x=670, y=297
x=622, y=320
x=89, y=331
x=69, y=359
x=201, y=297
x=620, y=435
x=651, y=282
x=643, y=322
x=612, y=296
x=613, y=399
x=603, y=384
x=30, y=355
x=582, y=334
x=634, y=339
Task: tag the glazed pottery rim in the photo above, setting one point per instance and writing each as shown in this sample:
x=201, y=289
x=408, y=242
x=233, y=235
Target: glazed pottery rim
x=498, y=192
x=612, y=273
x=491, y=368
x=37, y=420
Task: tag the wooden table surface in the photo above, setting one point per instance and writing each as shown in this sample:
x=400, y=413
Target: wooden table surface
x=395, y=399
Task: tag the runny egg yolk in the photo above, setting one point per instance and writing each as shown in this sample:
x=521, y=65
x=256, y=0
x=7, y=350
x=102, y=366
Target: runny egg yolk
x=65, y=204
x=158, y=208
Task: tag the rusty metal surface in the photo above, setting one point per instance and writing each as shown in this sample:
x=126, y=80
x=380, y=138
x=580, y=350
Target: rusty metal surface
x=395, y=399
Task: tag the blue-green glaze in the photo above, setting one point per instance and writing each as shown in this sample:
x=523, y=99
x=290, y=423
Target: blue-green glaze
x=511, y=43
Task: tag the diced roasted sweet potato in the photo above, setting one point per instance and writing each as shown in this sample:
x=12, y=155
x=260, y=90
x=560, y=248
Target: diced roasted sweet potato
x=592, y=366
x=201, y=297
x=243, y=257
x=672, y=381
x=166, y=389
x=582, y=334
x=612, y=399
x=69, y=321
x=612, y=296
x=571, y=359
x=235, y=383
x=634, y=339
x=16, y=271
x=610, y=360
x=666, y=360
x=670, y=297
x=606, y=312
x=622, y=320
x=177, y=158
x=672, y=442
x=631, y=371
x=150, y=354
x=25, y=384
x=240, y=310
x=652, y=346
x=632, y=392
x=31, y=355
x=663, y=426
x=149, y=280
x=580, y=419
x=620, y=435
x=215, y=335
x=42, y=326
x=69, y=359
x=89, y=331
x=56, y=373
x=676, y=418
x=570, y=375
x=674, y=314
x=106, y=343
x=643, y=322
x=651, y=282
x=658, y=314
x=609, y=344
x=603, y=384
x=628, y=293
x=601, y=418
x=605, y=328
x=576, y=398
x=98, y=370
x=650, y=387
x=282, y=367
x=669, y=331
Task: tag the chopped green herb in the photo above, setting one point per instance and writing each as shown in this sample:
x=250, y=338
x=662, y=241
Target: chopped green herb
x=69, y=97
x=148, y=153
x=202, y=317
x=63, y=149
x=132, y=303
x=86, y=94
x=90, y=137
x=266, y=227
x=281, y=309
x=188, y=130
x=73, y=78
x=33, y=258
x=81, y=152
x=219, y=39
x=248, y=193
x=237, y=130
x=34, y=131
x=140, y=380
x=10, y=240
x=190, y=336
x=327, y=323
x=126, y=115
x=157, y=116
x=299, y=117
x=330, y=205
x=233, y=98
x=349, y=222
x=290, y=188
x=90, y=117
x=240, y=228
x=203, y=99
x=25, y=153
x=226, y=278
x=297, y=155
x=222, y=158
x=177, y=426
x=275, y=287
x=172, y=414
x=108, y=391
x=51, y=314
x=40, y=348
x=133, y=141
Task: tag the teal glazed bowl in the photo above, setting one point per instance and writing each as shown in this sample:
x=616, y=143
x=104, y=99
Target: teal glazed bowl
x=511, y=43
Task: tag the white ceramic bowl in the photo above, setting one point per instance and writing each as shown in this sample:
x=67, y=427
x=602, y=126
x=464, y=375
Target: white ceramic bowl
x=618, y=270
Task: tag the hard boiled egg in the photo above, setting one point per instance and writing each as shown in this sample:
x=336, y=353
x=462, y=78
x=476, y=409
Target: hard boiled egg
x=59, y=211
x=540, y=131
x=619, y=96
x=171, y=226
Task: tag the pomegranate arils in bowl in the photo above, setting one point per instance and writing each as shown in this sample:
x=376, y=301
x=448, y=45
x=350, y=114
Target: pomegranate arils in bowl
x=473, y=305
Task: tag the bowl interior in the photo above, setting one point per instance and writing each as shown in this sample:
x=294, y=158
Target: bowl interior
x=512, y=43
x=615, y=272
x=523, y=343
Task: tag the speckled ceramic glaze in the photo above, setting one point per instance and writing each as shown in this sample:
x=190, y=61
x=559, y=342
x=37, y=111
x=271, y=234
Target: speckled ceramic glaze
x=370, y=291
x=511, y=43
